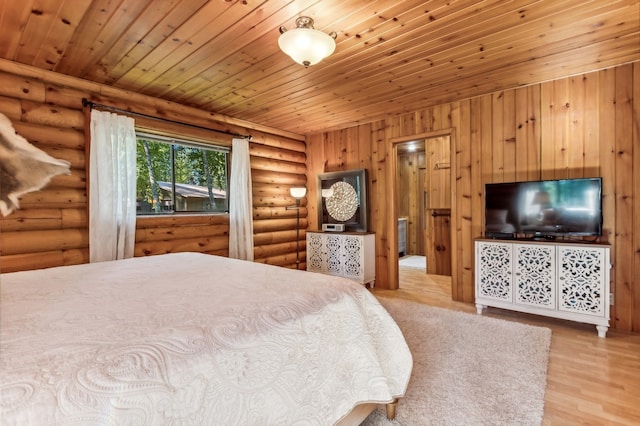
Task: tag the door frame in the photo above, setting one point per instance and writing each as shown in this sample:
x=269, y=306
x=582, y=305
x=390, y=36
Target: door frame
x=392, y=177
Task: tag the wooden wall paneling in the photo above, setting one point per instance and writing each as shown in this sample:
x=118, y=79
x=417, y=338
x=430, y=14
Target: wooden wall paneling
x=537, y=133
x=513, y=155
x=494, y=165
x=528, y=132
x=463, y=196
x=576, y=116
x=625, y=286
x=482, y=131
x=591, y=123
x=441, y=117
x=352, y=149
x=455, y=126
x=547, y=124
x=386, y=225
x=386, y=273
x=340, y=152
x=607, y=153
x=562, y=102
x=425, y=121
x=635, y=170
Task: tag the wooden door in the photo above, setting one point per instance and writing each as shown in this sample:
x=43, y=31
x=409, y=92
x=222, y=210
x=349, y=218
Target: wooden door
x=421, y=216
x=437, y=187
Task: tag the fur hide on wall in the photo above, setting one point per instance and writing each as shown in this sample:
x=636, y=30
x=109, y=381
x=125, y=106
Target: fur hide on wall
x=23, y=167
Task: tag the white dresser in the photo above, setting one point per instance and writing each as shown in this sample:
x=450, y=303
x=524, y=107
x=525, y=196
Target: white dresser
x=561, y=280
x=346, y=254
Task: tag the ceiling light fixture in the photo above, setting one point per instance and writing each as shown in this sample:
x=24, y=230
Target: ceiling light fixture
x=306, y=45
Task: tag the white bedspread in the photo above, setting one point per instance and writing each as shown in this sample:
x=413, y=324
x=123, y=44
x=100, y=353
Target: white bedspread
x=192, y=339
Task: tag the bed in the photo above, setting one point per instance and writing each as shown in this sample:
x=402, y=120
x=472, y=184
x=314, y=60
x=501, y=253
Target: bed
x=190, y=338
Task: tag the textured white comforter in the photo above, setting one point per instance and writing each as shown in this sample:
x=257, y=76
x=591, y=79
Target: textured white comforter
x=192, y=339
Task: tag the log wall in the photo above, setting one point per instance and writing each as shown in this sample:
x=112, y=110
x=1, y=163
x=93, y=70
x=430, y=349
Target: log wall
x=51, y=227
x=586, y=125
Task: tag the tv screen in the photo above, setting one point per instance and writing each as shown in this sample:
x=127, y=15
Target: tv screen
x=544, y=208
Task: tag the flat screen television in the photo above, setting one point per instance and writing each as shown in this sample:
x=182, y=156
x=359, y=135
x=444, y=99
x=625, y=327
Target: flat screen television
x=546, y=208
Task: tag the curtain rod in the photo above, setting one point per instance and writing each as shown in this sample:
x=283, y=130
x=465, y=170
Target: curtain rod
x=90, y=104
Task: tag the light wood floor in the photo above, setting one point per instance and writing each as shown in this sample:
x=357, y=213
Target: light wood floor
x=590, y=381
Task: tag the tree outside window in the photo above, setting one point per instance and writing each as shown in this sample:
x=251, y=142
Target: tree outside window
x=180, y=176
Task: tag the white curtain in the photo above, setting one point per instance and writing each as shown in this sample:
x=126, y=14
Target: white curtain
x=240, y=204
x=112, y=187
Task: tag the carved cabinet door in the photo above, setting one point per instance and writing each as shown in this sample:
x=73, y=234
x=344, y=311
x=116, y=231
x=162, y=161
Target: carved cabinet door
x=535, y=275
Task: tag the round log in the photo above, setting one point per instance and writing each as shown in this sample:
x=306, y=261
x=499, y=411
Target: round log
x=277, y=237
x=286, y=260
x=268, y=164
x=264, y=176
x=272, y=225
x=275, y=249
x=50, y=115
x=43, y=135
x=15, y=86
x=31, y=261
x=58, y=198
x=276, y=153
x=11, y=108
x=43, y=240
x=181, y=220
x=184, y=232
x=181, y=245
x=40, y=219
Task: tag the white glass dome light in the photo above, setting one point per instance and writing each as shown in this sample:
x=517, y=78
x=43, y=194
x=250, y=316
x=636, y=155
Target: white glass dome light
x=306, y=45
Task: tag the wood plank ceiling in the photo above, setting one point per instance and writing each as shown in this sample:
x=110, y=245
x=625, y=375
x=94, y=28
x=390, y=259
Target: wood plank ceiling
x=392, y=56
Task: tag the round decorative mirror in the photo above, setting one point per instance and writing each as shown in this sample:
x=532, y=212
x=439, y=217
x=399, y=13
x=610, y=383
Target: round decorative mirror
x=343, y=203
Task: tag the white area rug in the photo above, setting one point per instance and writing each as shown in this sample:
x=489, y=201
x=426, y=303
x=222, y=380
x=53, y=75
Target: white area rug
x=413, y=261
x=469, y=369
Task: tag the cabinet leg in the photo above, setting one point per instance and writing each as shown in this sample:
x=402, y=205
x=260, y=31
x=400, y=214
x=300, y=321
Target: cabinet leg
x=602, y=330
x=480, y=308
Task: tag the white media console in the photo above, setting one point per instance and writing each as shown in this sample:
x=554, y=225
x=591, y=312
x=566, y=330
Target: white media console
x=555, y=279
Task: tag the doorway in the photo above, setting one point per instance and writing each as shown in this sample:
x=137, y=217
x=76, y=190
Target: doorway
x=423, y=205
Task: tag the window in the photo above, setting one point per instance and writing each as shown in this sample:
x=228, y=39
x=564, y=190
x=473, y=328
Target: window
x=180, y=176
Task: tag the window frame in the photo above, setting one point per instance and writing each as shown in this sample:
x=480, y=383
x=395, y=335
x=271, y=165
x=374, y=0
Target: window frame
x=189, y=142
